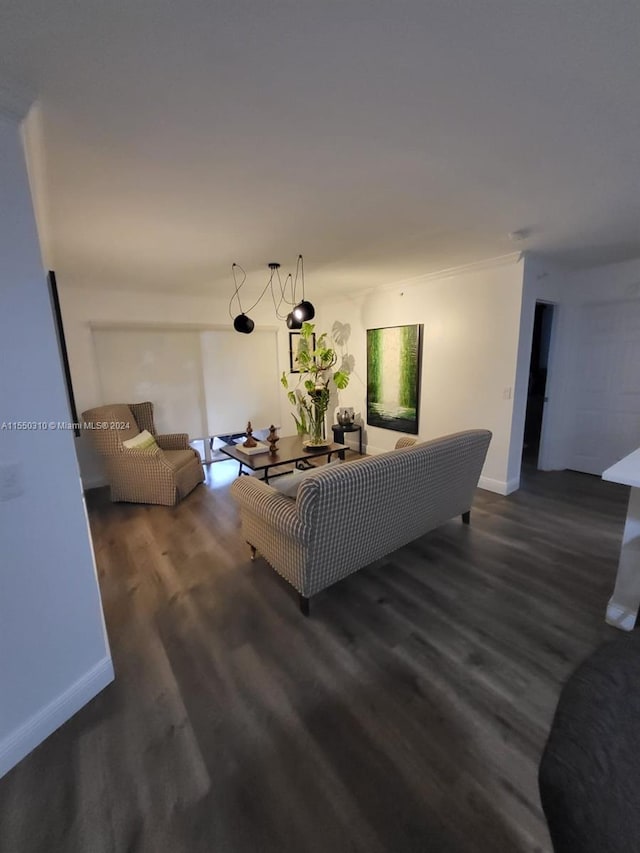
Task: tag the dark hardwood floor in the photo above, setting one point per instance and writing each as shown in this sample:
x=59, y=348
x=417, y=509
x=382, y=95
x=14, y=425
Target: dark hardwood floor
x=407, y=714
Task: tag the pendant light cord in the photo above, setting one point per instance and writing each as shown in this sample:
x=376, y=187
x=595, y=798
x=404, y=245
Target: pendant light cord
x=300, y=265
x=237, y=286
x=289, y=281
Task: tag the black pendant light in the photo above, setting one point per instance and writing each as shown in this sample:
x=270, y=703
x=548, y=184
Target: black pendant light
x=244, y=324
x=304, y=311
x=299, y=313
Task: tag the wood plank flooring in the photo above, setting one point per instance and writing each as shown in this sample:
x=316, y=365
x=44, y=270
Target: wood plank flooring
x=407, y=714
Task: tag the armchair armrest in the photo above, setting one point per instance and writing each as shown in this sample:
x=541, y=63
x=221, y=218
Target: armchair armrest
x=270, y=506
x=173, y=441
x=147, y=460
x=141, y=476
x=148, y=453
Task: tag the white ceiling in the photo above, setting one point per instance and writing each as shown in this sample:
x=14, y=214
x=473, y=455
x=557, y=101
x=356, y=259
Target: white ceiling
x=384, y=140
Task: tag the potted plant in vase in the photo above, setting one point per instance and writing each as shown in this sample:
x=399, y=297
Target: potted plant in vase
x=312, y=393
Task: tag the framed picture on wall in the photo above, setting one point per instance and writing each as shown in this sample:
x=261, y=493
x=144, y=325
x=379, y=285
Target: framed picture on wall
x=394, y=358
x=296, y=341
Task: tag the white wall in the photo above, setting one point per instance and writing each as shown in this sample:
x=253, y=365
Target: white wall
x=54, y=654
x=611, y=281
x=82, y=307
x=471, y=323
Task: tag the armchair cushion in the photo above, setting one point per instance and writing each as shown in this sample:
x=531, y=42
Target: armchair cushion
x=177, y=458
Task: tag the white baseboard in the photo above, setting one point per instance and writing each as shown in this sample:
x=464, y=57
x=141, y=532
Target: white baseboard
x=501, y=487
x=43, y=723
x=513, y=485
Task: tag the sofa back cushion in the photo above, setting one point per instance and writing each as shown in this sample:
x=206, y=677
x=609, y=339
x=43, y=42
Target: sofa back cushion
x=361, y=511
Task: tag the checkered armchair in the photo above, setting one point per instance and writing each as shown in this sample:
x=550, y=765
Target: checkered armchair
x=346, y=516
x=164, y=475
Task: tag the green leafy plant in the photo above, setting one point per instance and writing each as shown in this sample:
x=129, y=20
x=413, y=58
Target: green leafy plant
x=312, y=393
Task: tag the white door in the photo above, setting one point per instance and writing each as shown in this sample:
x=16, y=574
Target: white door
x=606, y=423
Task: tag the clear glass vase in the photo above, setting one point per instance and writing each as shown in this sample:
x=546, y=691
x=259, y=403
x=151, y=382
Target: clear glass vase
x=316, y=432
x=317, y=412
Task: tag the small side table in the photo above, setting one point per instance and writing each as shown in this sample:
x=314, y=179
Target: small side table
x=339, y=431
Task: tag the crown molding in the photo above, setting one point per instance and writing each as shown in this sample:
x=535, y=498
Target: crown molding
x=15, y=99
x=450, y=272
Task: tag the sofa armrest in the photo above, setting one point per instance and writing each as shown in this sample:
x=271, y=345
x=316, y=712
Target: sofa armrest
x=277, y=511
x=405, y=441
x=173, y=441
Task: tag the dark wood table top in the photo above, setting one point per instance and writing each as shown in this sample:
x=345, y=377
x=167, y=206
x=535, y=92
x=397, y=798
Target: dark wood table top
x=290, y=449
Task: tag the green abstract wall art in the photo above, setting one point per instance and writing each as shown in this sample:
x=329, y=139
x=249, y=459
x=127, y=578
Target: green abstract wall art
x=394, y=356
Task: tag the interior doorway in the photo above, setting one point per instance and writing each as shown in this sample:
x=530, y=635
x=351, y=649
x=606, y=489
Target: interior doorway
x=536, y=394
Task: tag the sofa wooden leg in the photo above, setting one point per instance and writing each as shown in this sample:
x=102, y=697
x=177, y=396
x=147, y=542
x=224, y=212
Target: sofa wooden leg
x=466, y=517
x=253, y=550
x=304, y=605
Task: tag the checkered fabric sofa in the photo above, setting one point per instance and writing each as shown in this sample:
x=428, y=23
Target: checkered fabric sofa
x=346, y=516
x=164, y=475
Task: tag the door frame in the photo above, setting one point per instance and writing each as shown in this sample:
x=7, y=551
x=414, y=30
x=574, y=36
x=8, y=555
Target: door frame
x=542, y=463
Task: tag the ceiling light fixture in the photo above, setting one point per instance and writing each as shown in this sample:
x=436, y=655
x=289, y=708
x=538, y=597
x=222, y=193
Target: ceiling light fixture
x=301, y=312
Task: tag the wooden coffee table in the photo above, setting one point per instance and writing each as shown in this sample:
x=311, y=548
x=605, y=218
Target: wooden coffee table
x=290, y=450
